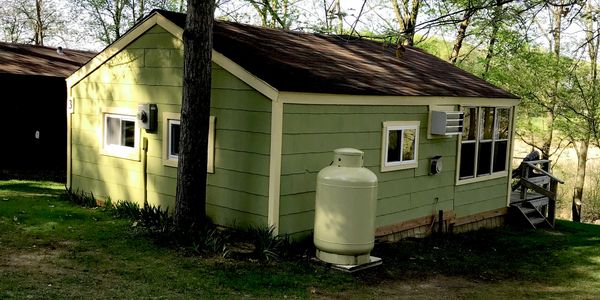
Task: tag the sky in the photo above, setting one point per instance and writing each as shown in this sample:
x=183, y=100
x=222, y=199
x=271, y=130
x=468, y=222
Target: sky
x=78, y=39
x=374, y=19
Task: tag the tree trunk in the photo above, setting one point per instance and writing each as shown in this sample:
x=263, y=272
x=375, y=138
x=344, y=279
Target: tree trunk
x=340, y=28
x=39, y=26
x=142, y=9
x=326, y=11
x=460, y=35
x=412, y=23
x=557, y=12
x=493, y=37
x=549, y=133
x=190, y=200
x=407, y=20
x=582, y=152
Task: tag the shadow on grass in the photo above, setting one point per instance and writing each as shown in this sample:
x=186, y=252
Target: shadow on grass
x=557, y=256
x=33, y=187
x=55, y=175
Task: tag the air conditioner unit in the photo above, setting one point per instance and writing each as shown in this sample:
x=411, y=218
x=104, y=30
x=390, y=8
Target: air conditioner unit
x=447, y=122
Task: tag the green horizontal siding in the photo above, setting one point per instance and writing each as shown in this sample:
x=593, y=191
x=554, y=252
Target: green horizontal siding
x=312, y=132
x=247, y=162
x=163, y=200
x=352, y=109
x=296, y=203
x=157, y=38
x=150, y=69
x=346, y=123
x=232, y=217
x=409, y=214
x=103, y=190
x=243, y=141
x=320, y=143
x=481, y=196
x=298, y=222
x=238, y=181
x=241, y=201
x=122, y=94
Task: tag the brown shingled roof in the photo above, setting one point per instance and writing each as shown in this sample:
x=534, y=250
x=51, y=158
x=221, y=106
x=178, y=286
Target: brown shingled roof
x=316, y=63
x=40, y=60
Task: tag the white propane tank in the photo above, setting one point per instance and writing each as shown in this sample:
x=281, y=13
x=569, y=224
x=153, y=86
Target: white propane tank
x=345, y=206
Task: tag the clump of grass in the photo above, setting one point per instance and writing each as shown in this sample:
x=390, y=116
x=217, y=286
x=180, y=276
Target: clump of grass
x=108, y=205
x=260, y=243
x=267, y=245
x=127, y=209
x=81, y=198
x=157, y=222
x=211, y=240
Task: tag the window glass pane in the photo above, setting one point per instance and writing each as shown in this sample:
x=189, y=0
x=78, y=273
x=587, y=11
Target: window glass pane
x=470, y=123
x=128, y=133
x=467, y=160
x=174, y=139
x=484, y=163
x=113, y=131
x=503, y=116
x=408, y=145
x=500, y=156
x=486, y=123
x=393, y=151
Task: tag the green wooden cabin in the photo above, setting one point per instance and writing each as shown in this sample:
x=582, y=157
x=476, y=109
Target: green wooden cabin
x=282, y=101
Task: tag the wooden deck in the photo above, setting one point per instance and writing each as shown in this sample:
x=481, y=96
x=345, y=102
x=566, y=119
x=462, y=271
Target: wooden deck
x=515, y=196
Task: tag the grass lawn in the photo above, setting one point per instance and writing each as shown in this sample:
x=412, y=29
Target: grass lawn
x=50, y=248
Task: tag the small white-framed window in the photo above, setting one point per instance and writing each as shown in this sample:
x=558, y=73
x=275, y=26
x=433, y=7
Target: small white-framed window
x=400, y=145
x=173, y=141
x=120, y=134
x=171, y=131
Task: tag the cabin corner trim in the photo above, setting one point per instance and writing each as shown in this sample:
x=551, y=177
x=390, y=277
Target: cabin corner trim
x=275, y=165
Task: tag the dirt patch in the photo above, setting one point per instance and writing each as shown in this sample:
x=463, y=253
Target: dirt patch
x=437, y=286
x=40, y=260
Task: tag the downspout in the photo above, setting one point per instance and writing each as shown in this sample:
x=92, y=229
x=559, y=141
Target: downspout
x=145, y=168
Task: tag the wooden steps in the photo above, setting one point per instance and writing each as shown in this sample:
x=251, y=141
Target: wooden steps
x=539, y=202
x=533, y=197
x=530, y=211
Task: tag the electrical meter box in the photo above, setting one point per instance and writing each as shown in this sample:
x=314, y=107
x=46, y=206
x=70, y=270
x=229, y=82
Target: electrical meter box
x=148, y=116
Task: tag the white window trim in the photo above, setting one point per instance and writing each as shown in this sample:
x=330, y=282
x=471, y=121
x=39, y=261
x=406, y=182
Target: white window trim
x=169, y=134
x=401, y=165
x=119, y=151
x=172, y=160
x=493, y=175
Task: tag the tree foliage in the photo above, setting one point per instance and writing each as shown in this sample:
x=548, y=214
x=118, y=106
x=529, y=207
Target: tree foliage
x=109, y=19
x=31, y=21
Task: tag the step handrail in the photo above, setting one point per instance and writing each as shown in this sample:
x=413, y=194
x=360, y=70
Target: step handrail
x=532, y=164
x=549, y=190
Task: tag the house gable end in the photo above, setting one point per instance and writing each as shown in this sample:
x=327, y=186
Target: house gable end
x=129, y=40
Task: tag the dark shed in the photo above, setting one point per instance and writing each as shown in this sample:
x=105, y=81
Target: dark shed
x=33, y=123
